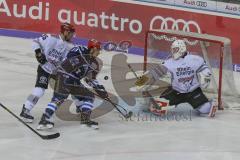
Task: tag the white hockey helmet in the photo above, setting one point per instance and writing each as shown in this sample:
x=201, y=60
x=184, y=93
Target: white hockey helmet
x=178, y=48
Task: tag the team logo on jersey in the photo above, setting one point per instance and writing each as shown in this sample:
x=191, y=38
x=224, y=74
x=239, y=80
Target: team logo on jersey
x=186, y=79
x=54, y=55
x=185, y=75
x=43, y=80
x=184, y=71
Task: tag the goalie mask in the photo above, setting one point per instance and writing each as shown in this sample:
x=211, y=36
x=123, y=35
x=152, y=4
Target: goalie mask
x=178, y=49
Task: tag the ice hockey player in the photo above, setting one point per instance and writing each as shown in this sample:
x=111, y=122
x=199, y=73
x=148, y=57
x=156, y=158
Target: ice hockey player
x=81, y=63
x=49, y=51
x=185, y=86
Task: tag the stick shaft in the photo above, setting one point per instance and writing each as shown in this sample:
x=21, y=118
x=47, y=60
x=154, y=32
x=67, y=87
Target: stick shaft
x=135, y=74
x=33, y=130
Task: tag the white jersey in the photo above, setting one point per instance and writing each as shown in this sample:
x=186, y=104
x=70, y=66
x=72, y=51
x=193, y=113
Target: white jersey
x=184, y=72
x=55, y=50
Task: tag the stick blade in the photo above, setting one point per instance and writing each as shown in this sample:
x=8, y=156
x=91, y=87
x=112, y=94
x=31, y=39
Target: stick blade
x=51, y=136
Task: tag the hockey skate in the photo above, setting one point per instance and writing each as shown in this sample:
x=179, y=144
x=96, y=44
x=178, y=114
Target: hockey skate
x=86, y=121
x=45, y=123
x=25, y=115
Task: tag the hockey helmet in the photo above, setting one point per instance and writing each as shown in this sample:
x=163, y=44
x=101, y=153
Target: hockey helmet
x=67, y=27
x=178, y=49
x=93, y=43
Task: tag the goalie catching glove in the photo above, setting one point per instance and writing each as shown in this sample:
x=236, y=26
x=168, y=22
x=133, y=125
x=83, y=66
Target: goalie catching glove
x=150, y=77
x=100, y=90
x=141, y=81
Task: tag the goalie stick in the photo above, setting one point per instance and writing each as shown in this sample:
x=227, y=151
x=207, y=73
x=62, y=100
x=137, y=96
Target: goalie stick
x=45, y=137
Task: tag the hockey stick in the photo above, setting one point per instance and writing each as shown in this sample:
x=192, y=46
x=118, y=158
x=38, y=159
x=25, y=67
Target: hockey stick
x=51, y=136
x=127, y=115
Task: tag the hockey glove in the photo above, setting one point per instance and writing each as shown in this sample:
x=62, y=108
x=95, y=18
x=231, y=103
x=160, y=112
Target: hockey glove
x=41, y=58
x=101, y=91
x=141, y=81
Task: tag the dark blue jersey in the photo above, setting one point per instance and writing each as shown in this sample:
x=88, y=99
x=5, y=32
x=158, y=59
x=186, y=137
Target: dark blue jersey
x=80, y=64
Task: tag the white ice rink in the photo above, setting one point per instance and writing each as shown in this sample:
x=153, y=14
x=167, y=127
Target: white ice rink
x=200, y=138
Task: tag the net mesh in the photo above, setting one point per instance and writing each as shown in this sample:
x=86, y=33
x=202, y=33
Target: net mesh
x=215, y=50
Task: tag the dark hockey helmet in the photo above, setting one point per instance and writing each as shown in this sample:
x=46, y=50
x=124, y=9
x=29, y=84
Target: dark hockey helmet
x=92, y=43
x=67, y=27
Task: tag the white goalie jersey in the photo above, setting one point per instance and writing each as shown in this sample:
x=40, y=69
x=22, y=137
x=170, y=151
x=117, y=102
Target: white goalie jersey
x=184, y=72
x=55, y=50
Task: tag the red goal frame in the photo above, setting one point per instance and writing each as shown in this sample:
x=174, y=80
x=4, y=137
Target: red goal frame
x=201, y=37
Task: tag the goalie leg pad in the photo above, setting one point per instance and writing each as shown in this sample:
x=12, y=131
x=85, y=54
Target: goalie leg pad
x=204, y=108
x=213, y=109
x=209, y=108
x=158, y=105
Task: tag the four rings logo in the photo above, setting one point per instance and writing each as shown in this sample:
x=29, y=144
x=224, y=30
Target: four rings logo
x=201, y=4
x=173, y=24
x=43, y=80
x=159, y=23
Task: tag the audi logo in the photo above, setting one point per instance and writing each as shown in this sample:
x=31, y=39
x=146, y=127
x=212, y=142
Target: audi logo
x=170, y=23
x=173, y=24
x=201, y=4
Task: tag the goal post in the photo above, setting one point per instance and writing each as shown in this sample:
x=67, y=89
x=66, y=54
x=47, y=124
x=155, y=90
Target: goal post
x=215, y=50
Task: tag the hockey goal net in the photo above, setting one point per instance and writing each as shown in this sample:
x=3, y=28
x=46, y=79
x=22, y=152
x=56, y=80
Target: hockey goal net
x=215, y=50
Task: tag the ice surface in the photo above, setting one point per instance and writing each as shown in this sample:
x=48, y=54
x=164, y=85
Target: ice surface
x=198, y=138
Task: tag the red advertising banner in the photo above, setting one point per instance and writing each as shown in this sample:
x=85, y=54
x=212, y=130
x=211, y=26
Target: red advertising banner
x=113, y=21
